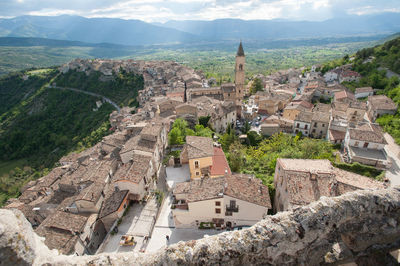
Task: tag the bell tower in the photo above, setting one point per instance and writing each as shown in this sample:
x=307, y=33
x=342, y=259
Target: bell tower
x=239, y=75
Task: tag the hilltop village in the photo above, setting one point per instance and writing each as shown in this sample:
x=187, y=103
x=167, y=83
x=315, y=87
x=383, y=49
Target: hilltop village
x=124, y=194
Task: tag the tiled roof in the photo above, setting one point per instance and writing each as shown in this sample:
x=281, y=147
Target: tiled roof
x=66, y=221
x=134, y=171
x=321, y=117
x=228, y=87
x=344, y=94
x=308, y=180
x=367, y=132
x=381, y=102
x=322, y=107
x=336, y=134
x=112, y=203
x=317, y=166
x=304, y=117
x=199, y=147
x=219, y=163
x=61, y=240
x=239, y=186
x=240, y=51
x=91, y=193
x=364, y=89
x=247, y=188
x=358, y=105
x=201, y=189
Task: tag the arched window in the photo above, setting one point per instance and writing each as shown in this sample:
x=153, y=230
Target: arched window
x=240, y=67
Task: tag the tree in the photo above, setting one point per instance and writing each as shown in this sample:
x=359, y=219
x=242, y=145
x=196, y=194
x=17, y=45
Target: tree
x=235, y=156
x=256, y=86
x=203, y=120
x=254, y=138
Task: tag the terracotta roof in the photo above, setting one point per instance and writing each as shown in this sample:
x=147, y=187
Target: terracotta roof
x=61, y=240
x=322, y=107
x=247, y=188
x=91, y=193
x=239, y=186
x=344, y=94
x=381, y=102
x=304, y=117
x=308, y=180
x=317, y=166
x=201, y=189
x=219, y=163
x=367, y=132
x=321, y=117
x=350, y=73
x=199, y=147
x=336, y=134
x=358, y=105
x=66, y=221
x=134, y=171
x=355, y=181
x=112, y=203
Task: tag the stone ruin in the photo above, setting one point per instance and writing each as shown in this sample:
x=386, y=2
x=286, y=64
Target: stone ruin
x=360, y=227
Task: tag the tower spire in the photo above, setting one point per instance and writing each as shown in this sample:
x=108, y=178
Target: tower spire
x=240, y=51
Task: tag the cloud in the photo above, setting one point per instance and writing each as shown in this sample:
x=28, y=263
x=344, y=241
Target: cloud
x=163, y=10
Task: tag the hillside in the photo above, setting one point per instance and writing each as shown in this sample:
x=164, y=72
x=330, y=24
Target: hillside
x=380, y=68
x=227, y=29
x=39, y=125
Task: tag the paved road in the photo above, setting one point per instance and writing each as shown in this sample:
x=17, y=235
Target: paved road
x=393, y=151
x=389, y=73
x=89, y=93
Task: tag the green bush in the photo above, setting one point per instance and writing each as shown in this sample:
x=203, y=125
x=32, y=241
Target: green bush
x=360, y=169
x=206, y=225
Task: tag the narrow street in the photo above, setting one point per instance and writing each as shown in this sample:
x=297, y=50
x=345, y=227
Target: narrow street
x=393, y=152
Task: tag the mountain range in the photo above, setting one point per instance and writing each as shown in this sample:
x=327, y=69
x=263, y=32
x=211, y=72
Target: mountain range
x=136, y=32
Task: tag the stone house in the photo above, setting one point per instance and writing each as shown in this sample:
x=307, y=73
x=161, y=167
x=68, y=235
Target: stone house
x=319, y=125
x=229, y=91
x=276, y=124
x=366, y=144
x=380, y=105
x=344, y=97
x=71, y=233
x=137, y=176
x=349, y=75
x=203, y=158
x=355, y=112
x=302, y=123
x=166, y=107
x=299, y=182
x=223, y=116
x=227, y=201
x=364, y=92
x=294, y=108
x=113, y=207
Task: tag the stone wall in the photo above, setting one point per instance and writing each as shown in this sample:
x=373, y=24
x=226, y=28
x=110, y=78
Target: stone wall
x=353, y=227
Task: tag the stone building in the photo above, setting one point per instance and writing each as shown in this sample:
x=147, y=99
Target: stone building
x=299, y=182
x=227, y=201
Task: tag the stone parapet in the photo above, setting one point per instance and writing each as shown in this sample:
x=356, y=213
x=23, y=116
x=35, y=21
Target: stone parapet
x=332, y=230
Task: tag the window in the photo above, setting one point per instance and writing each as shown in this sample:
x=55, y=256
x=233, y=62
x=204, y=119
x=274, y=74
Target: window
x=197, y=173
x=196, y=164
x=323, y=125
x=366, y=145
x=313, y=130
x=305, y=126
x=297, y=125
x=356, y=144
x=217, y=203
x=232, y=203
x=240, y=67
x=217, y=210
x=315, y=124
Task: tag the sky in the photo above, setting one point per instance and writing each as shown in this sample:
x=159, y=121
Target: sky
x=164, y=10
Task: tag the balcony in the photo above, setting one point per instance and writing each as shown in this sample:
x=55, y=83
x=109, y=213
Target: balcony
x=232, y=208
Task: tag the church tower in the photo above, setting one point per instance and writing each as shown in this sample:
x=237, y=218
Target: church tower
x=239, y=75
